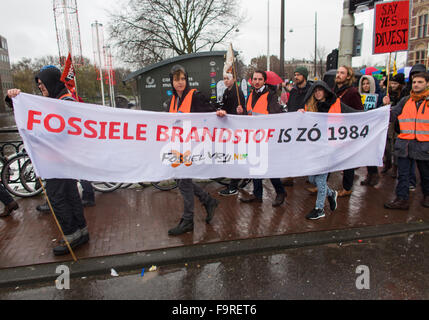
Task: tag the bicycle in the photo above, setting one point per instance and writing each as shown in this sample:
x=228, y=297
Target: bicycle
x=18, y=176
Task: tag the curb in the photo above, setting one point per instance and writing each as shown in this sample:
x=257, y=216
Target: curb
x=133, y=261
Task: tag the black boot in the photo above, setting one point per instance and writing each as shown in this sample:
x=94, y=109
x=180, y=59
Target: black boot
x=280, y=198
x=211, y=206
x=183, y=227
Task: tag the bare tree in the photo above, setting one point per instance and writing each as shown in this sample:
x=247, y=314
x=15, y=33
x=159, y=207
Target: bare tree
x=148, y=31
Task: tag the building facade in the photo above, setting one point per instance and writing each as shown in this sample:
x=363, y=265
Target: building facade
x=419, y=33
x=6, y=80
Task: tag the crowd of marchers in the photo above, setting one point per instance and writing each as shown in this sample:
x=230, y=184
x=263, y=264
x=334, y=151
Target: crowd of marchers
x=407, y=146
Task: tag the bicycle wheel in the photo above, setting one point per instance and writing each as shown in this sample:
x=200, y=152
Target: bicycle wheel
x=106, y=186
x=19, y=178
x=165, y=185
x=28, y=178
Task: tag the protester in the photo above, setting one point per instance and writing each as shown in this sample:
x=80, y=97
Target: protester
x=9, y=204
x=261, y=101
x=417, y=68
x=320, y=98
x=396, y=93
x=412, y=114
x=62, y=193
x=231, y=104
x=296, y=99
x=350, y=96
x=187, y=100
x=367, y=85
x=299, y=90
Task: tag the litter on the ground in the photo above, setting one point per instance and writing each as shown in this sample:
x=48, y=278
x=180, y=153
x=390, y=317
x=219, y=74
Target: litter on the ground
x=153, y=268
x=113, y=273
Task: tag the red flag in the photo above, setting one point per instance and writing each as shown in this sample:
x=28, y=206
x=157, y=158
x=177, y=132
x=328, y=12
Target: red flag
x=68, y=77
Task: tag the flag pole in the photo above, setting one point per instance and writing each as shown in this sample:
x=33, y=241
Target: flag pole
x=388, y=74
x=235, y=76
x=56, y=221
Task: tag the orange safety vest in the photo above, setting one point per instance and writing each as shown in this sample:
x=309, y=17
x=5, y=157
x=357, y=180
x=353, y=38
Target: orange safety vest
x=414, y=124
x=66, y=95
x=335, y=108
x=261, y=106
x=185, y=107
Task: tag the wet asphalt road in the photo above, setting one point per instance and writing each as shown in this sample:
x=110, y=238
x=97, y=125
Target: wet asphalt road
x=396, y=268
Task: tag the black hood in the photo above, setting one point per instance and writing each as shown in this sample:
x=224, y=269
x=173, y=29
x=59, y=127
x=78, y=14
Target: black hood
x=330, y=95
x=51, y=78
x=174, y=69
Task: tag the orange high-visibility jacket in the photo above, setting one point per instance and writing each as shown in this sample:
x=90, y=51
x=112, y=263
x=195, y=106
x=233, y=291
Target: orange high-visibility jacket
x=261, y=106
x=414, y=124
x=185, y=107
x=335, y=108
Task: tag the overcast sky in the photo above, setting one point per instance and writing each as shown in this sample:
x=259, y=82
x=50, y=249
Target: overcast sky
x=29, y=27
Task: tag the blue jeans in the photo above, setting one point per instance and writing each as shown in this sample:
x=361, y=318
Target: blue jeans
x=320, y=181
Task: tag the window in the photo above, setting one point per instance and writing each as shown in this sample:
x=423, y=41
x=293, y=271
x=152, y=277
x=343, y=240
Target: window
x=421, y=56
x=422, y=29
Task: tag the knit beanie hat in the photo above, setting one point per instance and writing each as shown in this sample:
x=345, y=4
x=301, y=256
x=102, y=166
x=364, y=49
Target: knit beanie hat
x=303, y=71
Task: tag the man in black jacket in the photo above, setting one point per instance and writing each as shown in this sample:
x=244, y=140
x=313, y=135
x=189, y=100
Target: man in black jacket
x=62, y=193
x=231, y=104
x=296, y=99
x=299, y=90
x=262, y=101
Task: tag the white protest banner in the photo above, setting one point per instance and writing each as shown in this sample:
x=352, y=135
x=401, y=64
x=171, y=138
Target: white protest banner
x=65, y=139
x=369, y=101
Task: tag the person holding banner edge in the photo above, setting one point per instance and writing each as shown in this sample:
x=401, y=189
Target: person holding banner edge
x=187, y=100
x=62, y=193
x=412, y=114
x=350, y=96
x=232, y=104
x=320, y=98
x=262, y=101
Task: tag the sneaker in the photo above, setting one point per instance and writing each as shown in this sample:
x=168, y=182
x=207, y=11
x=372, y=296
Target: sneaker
x=316, y=214
x=183, y=227
x=412, y=188
x=210, y=209
x=333, y=201
x=228, y=192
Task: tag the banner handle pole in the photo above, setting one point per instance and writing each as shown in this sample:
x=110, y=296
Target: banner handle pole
x=388, y=74
x=235, y=77
x=56, y=220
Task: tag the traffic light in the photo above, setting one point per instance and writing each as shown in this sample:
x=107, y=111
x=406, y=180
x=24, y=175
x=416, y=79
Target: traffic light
x=356, y=3
x=332, y=60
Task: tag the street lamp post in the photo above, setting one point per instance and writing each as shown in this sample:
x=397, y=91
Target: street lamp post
x=282, y=40
x=268, y=35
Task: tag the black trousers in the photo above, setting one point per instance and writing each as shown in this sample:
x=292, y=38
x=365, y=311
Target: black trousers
x=189, y=190
x=348, y=178
x=258, y=188
x=65, y=200
x=5, y=197
x=87, y=191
